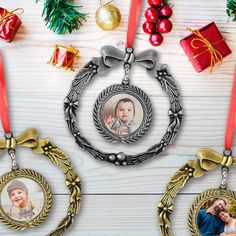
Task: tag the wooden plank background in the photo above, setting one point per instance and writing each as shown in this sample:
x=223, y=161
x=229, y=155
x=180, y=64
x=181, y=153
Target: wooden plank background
x=116, y=201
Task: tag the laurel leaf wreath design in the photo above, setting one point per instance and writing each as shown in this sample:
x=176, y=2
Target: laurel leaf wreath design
x=58, y=158
x=165, y=206
x=71, y=104
x=72, y=181
x=192, y=169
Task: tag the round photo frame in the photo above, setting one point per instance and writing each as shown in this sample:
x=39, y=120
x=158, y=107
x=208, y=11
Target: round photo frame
x=29, y=138
x=207, y=160
x=135, y=100
x=207, y=197
x=112, y=57
x=45, y=209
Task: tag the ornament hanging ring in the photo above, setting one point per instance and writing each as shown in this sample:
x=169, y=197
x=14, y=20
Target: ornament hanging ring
x=227, y=153
x=112, y=57
x=101, y=4
x=8, y=135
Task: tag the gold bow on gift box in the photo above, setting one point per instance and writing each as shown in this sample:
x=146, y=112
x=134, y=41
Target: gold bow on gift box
x=216, y=56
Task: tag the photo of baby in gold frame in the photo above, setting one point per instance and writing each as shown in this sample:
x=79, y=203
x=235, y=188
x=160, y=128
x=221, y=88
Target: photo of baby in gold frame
x=22, y=199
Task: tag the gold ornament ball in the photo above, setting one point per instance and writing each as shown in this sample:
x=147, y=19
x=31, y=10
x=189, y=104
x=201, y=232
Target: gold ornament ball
x=108, y=17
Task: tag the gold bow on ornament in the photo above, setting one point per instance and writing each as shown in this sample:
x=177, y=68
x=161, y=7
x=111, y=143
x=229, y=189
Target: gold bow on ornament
x=74, y=187
x=26, y=139
x=164, y=211
x=208, y=159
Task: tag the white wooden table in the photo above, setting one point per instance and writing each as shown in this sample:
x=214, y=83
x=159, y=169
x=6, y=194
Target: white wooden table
x=116, y=201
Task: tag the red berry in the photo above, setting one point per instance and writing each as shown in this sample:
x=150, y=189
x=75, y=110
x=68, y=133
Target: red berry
x=165, y=11
x=164, y=26
x=151, y=14
x=148, y=27
x=156, y=39
x=155, y=3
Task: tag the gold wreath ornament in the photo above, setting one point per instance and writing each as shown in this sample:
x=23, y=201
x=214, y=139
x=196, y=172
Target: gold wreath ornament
x=207, y=160
x=29, y=138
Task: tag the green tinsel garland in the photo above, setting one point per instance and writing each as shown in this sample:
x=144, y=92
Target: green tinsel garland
x=231, y=9
x=61, y=16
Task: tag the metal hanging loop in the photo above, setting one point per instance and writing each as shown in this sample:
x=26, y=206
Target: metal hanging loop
x=11, y=143
x=12, y=154
x=128, y=60
x=225, y=170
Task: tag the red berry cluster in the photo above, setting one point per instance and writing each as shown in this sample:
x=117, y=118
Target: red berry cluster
x=157, y=21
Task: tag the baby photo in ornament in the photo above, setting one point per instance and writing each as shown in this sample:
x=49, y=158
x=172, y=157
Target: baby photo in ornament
x=22, y=199
x=122, y=114
x=217, y=217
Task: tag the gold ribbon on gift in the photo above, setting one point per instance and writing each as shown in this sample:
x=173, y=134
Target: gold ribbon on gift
x=208, y=159
x=164, y=211
x=216, y=56
x=7, y=14
x=27, y=139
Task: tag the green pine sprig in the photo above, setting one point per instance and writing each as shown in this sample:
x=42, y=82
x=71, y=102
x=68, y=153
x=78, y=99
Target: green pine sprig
x=61, y=16
x=231, y=9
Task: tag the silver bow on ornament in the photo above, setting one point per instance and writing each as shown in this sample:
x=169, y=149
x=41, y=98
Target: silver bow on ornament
x=112, y=56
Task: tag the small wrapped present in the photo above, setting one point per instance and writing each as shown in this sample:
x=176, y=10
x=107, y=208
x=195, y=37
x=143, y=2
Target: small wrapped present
x=205, y=47
x=63, y=57
x=9, y=24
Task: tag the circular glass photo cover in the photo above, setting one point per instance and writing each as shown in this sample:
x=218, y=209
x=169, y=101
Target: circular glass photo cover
x=122, y=113
x=25, y=199
x=214, y=213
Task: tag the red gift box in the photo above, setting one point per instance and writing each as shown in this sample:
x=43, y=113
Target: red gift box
x=9, y=24
x=205, y=47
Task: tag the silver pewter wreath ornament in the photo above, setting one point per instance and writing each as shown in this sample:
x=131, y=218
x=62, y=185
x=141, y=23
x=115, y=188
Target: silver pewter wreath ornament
x=123, y=112
x=25, y=196
x=213, y=211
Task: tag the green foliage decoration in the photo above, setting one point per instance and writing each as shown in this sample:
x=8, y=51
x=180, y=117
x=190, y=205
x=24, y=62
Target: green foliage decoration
x=61, y=16
x=231, y=9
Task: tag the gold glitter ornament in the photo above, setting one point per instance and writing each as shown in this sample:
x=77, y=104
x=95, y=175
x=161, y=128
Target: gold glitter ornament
x=108, y=16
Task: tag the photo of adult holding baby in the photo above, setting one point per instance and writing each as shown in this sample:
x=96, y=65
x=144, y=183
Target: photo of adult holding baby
x=22, y=199
x=217, y=218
